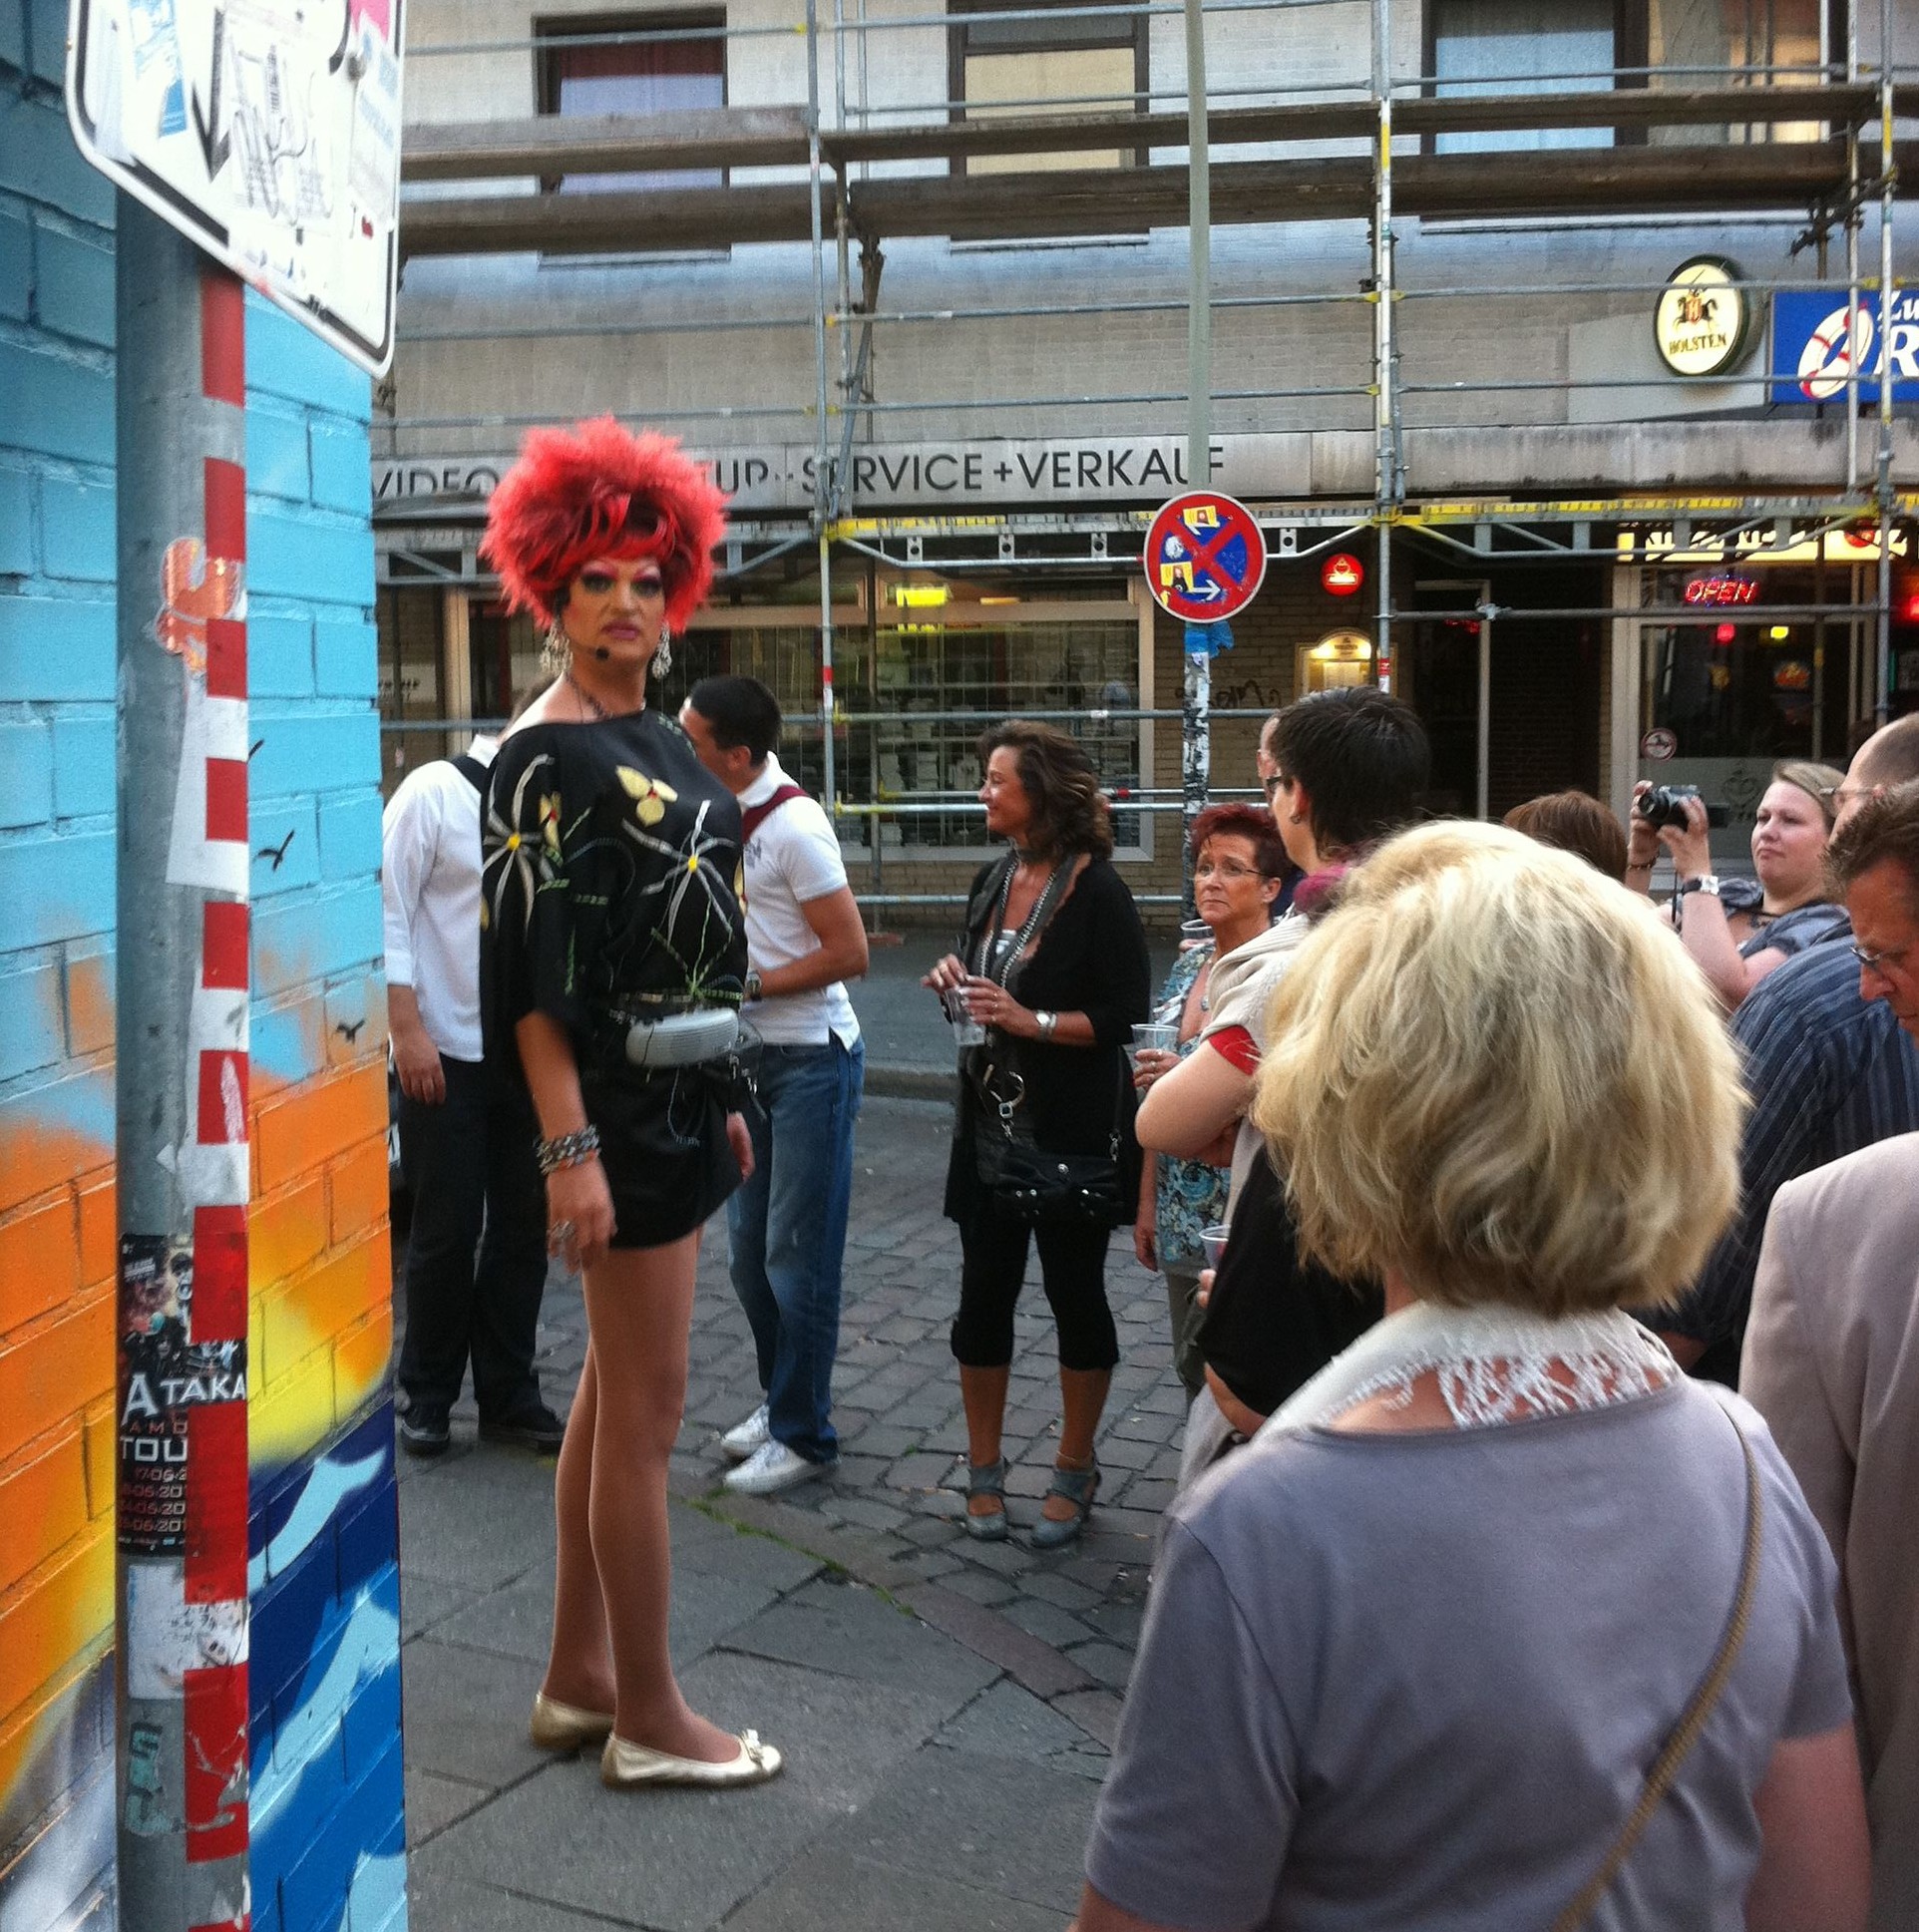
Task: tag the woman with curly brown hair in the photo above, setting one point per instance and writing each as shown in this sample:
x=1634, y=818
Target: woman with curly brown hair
x=613, y=966
x=1052, y=962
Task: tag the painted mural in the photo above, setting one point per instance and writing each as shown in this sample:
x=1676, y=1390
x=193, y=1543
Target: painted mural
x=326, y=1803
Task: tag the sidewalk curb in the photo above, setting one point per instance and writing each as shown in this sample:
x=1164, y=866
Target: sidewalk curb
x=1031, y=1663
x=900, y=1083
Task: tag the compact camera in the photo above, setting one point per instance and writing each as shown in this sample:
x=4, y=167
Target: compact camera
x=1664, y=805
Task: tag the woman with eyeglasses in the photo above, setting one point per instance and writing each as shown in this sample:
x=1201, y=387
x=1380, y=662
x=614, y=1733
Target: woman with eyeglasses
x=1238, y=868
x=1789, y=834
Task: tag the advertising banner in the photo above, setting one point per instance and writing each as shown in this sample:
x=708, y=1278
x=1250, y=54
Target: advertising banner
x=1814, y=351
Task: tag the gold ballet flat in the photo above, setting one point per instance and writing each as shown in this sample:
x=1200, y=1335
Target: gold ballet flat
x=565, y=1727
x=622, y=1763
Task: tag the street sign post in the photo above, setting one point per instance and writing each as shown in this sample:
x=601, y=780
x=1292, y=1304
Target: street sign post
x=266, y=131
x=1205, y=558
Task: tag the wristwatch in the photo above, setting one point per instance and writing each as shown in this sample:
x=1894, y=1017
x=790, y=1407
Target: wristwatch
x=1047, y=1023
x=1706, y=882
x=750, y=987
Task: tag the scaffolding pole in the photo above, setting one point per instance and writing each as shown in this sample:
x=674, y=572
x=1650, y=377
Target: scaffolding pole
x=1385, y=402
x=1888, y=180
x=822, y=480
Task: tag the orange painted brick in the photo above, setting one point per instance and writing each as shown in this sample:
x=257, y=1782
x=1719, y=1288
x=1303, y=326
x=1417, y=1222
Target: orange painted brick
x=296, y=1133
x=357, y=1192
x=43, y=1504
x=99, y=1231
x=360, y=1358
x=50, y=1371
x=321, y=1304
x=65, y=1613
x=37, y=1156
x=38, y=1261
x=285, y=1231
x=103, y=1445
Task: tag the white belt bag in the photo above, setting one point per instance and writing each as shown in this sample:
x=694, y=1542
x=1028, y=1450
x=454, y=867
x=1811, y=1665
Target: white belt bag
x=683, y=1039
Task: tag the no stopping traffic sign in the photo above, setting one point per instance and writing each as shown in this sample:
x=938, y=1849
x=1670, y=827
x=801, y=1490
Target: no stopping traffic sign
x=1205, y=557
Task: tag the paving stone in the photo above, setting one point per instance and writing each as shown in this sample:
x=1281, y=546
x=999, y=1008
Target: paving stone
x=1118, y=1623
x=835, y=1891
x=425, y=1600
x=981, y=1586
x=681, y=1860
x=438, y=1901
x=1049, y=1586
x=465, y=1712
x=433, y=1802
x=1108, y=1662
x=929, y=1532
x=490, y=1518
x=869, y=1514
x=929, y=1565
x=1008, y=1721
x=1119, y=1452
x=1095, y=1711
x=1046, y=1621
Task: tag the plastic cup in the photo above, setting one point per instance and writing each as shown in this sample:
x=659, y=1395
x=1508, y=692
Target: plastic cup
x=1194, y=931
x=1213, y=1243
x=966, y=1031
x=1154, y=1034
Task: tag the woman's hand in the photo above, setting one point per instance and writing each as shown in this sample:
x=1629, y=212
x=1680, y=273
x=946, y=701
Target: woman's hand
x=580, y=1214
x=739, y=1138
x=1642, y=839
x=1205, y=1293
x=992, y=1006
x=1152, y=1063
x=1689, y=844
x=948, y=973
x=1146, y=1237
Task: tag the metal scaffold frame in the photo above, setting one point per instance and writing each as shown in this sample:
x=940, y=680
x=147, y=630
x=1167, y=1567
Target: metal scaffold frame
x=837, y=200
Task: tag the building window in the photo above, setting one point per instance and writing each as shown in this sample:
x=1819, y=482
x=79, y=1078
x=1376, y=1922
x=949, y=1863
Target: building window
x=1486, y=47
x=632, y=64
x=1000, y=65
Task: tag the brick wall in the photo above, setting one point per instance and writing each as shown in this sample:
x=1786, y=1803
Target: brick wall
x=326, y=1817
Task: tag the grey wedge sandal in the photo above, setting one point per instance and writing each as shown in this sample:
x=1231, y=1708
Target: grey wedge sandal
x=987, y=1479
x=1078, y=1486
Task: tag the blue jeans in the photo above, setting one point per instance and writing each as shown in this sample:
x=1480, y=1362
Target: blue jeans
x=786, y=1228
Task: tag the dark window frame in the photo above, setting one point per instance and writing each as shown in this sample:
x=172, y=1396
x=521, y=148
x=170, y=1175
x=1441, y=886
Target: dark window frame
x=1104, y=32
x=552, y=32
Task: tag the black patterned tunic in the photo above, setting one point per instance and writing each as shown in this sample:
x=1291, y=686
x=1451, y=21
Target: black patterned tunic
x=611, y=892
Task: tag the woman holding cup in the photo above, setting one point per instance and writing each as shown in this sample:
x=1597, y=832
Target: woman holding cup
x=1053, y=964
x=1239, y=865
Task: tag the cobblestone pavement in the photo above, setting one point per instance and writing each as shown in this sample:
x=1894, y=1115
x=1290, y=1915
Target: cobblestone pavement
x=1063, y=1624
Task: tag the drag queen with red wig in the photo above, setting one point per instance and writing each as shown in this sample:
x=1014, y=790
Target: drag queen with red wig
x=614, y=957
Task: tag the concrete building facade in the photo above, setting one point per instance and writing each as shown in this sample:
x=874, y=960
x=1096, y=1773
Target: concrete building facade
x=1444, y=233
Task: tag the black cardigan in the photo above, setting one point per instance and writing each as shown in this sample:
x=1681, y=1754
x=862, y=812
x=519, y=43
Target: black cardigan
x=1091, y=959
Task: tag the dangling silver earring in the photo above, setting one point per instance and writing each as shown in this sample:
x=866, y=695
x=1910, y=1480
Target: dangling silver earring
x=556, y=650
x=664, y=657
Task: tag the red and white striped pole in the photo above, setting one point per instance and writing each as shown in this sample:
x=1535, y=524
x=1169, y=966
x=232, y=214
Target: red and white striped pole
x=181, y=1082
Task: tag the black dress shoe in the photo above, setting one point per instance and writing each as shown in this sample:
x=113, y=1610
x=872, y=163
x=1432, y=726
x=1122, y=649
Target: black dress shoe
x=424, y=1430
x=526, y=1429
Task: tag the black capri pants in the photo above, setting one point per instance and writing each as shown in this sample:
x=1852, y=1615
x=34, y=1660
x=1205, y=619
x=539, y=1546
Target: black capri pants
x=1073, y=1267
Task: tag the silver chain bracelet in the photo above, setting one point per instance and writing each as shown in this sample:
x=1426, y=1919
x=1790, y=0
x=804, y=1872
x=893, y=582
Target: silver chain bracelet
x=567, y=1150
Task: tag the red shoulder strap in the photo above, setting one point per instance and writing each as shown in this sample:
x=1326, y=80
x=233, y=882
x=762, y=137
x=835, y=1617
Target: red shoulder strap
x=752, y=817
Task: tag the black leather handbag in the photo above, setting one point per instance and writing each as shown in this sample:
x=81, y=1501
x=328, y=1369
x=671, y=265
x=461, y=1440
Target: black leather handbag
x=1027, y=1182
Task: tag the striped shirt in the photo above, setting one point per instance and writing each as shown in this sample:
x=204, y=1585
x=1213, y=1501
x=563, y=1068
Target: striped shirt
x=1829, y=1073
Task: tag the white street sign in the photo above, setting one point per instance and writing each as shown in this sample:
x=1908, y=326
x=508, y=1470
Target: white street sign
x=267, y=131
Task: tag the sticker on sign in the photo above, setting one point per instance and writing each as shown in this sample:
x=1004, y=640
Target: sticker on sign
x=264, y=131
x=1205, y=557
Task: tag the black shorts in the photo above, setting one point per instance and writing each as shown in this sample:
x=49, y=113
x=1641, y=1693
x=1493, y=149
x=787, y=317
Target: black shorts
x=662, y=1143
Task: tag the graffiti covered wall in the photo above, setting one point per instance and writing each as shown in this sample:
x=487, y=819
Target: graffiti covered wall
x=327, y=1816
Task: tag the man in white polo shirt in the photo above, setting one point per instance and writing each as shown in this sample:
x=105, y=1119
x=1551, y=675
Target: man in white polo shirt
x=787, y=1225
x=477, y=1250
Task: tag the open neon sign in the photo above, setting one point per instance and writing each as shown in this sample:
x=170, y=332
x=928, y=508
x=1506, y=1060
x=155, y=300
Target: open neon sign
x=1722, y=589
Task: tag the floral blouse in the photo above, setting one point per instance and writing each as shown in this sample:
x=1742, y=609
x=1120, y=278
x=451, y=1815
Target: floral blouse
x=610, y=887
x=1192, y=1194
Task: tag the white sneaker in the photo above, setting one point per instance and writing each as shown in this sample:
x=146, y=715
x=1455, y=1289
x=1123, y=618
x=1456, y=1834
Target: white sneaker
x=743, y=1438
x=772, y=1466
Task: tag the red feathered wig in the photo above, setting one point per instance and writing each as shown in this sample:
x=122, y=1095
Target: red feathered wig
x=596, y=489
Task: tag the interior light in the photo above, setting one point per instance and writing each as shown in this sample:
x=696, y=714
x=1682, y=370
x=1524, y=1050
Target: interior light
x=920, y=597
x=1725, y=633
x=1780, y=632
x=998, y=600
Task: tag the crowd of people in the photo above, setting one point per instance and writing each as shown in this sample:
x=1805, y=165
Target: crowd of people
x=1479, y=1179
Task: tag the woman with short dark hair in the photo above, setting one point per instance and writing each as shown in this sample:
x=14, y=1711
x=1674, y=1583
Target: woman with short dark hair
x=1052, y=962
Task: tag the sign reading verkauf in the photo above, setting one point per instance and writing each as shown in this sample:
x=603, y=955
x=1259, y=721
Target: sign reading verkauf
x=265, y=130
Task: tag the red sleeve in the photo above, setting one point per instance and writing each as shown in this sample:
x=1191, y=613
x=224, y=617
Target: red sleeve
x=1236, y=1047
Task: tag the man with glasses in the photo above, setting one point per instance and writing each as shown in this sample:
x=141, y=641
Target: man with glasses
x=1828, y=1069
x=1832, y=1354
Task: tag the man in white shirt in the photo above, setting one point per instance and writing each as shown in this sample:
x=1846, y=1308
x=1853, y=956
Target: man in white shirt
x=476, y=1250
x=786, y=1226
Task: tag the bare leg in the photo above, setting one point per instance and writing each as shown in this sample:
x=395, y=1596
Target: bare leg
x=1082, y=1400
x=580, y=1670
x=639, y=1307
x=983, y=1392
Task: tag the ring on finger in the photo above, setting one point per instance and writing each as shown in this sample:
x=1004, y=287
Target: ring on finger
x=560, y=1234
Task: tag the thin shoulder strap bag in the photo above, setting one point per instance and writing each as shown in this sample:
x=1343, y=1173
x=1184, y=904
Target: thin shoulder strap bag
x=1685, y=1734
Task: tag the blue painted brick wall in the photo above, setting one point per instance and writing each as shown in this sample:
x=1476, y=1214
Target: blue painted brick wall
x=329, y=1820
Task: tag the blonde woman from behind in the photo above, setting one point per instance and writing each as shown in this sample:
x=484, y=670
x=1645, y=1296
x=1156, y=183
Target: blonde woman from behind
x=1501, y=1624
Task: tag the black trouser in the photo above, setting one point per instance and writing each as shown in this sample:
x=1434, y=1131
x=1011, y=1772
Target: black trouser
x=1073, y=1267
x=469, y=1165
